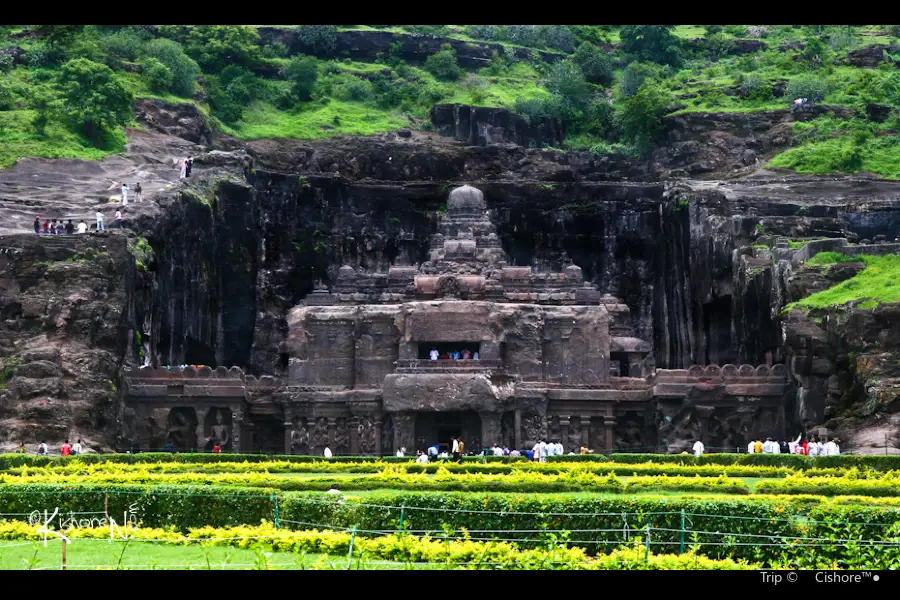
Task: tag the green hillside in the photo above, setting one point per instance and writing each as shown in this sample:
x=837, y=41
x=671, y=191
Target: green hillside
x=65, y=91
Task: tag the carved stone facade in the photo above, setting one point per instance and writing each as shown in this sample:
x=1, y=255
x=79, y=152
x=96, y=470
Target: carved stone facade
x=541, y=356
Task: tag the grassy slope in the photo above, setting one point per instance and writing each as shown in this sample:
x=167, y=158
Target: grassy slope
x=819, y=152
x=878, y=282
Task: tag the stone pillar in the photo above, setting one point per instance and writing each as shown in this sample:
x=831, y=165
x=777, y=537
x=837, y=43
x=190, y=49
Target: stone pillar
x=288, y=429
x=237, y=420
x=353, y=424
x=332, y=434
x=200, y=434
x=609, y=421
x=586, y=430
x=377, y=423
x=490, y=429
x=518, y=428
x=564, y=432
x=634, y=365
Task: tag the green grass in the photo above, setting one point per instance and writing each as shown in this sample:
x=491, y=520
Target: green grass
x=314, y=121
x=879, y=282
x=90, y=554
x=18, y=139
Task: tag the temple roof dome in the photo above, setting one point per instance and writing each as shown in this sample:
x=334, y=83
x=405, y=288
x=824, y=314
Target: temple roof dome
x=466, y=199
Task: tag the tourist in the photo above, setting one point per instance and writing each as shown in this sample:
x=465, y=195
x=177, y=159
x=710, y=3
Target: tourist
x=422, y=457
x=46, y=227
x=189, y=166
x=401, y=452
x=217, y=449
x=466, y=355
x=496, y=450
x=42, y=448
x=475, y=355
x=183, y=169
x=20, y=449
x=559, y=448
x=584, y=449
x=124, y=194
x=53, y=227
x=327, y=452
x=37, y=224
x=515, y=453
x=529, y=454
x=698, y=448
x=783, y=447
x=462, y=447
x=169, y=447
x=118, y=219
x=830, y=449
x=82, y=227
x=99, y=221
x=812, y=448
x=454, y=448
x=539, y=449
x=334, y=489
x=70, y=227
x=433, y=451
x=751, y=447
x=65, y=449
x=433, y=354
x=76, y=449
x=805, y=445
x=137, y=192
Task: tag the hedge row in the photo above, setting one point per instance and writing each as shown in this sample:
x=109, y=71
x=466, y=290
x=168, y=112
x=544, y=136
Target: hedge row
x=793, y=461
x=400, y=548
x=396, y=478
x=756, y=529
x=760, y=530
x=886, y=485
x=19, y=460
x=376, y=467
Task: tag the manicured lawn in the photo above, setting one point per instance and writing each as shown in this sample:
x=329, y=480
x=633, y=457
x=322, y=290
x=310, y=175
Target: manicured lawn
x=102, y=554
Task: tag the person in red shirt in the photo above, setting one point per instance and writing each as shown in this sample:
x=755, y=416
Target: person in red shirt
x=217, y=449
x=66, y=449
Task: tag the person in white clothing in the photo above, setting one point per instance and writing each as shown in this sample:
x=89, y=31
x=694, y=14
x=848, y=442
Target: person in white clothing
x=751, y=447
x=497, y=450
x=812, y=449
x=830, y=449
x=334, y=489
x=327, y=452
x=540, y=451
x=42, y=448
x=559, y=448
x=776, y=448
x=124, y=194
x=433, y=354
x=454, y=446
x=82, y=227
x=401, y=452
x=698, y=448
x=792, y=446
x=422, y=458
x=99, y=221
x=76, y=449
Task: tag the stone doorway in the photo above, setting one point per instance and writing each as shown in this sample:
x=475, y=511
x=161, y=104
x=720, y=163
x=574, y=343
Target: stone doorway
x=441, y=427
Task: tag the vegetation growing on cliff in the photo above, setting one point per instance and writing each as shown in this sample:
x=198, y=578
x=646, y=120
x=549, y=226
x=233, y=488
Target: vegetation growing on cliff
x=878, y=282
x=609, y=98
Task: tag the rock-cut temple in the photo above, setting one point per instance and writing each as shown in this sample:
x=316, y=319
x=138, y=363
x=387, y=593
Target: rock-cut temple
x=556, y=359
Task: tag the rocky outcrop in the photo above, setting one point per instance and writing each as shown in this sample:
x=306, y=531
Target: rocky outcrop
x=67, y=326
x=868, y=57
x=180, y=120
x=369, y=45
x=482, y=126
x=18, y=55
x=878, y=112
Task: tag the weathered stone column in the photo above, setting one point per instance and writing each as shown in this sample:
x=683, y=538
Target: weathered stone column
x=377, y=423
x=564, y=431
x=353, y=424
x=237, y=420
x=288, y=429
x=490, y=429
x=200, y=443
x=518, y=428
x=332, y=434
x=586, y=430
x=609, y=421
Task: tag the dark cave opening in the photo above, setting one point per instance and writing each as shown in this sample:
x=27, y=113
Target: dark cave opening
x=198, y=353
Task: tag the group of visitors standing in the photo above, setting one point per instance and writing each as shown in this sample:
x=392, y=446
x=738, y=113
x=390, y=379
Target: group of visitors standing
x=466, y=354
x=58, y=227
x=809, y=447
x=43, y=449
x=186, y=166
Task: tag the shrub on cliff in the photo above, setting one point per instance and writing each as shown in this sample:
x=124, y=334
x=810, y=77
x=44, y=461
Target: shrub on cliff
x=566, y=80
x=184, y=69
x=321, y=39
x=215, y=47
x=95, y=101
x=157, y=75
x=443, y=65
x=302, y=72
x=634, y=76
x=123, y=45
x=807, y=86
x=641, y=115
x=654, y=43
x=595, y=64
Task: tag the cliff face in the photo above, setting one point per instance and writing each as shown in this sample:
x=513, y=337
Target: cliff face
x=241, y=244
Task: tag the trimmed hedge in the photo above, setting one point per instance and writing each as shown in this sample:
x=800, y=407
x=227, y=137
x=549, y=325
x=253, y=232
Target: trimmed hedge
x=30, y=460
x=397, y=478
x=762, y=530
x=327, y=467
x=405, y=548
x=851, y=484
x=793, y=461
